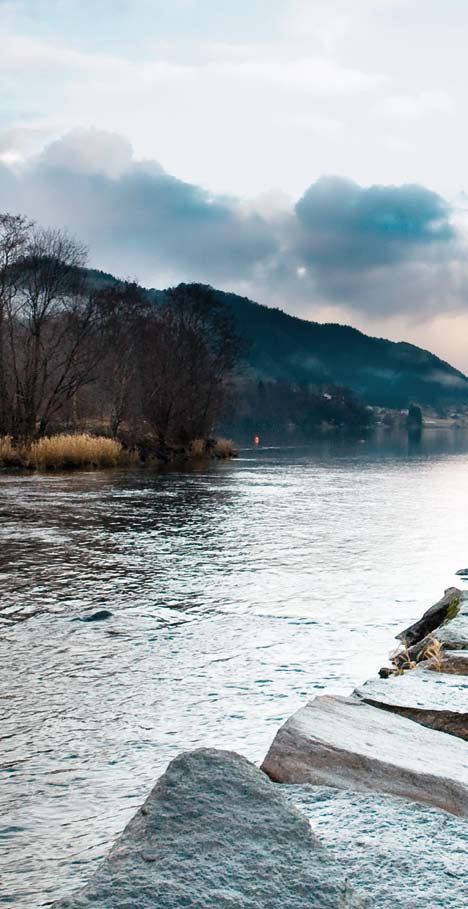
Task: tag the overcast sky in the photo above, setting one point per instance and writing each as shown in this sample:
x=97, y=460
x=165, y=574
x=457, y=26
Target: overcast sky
x=310, y=154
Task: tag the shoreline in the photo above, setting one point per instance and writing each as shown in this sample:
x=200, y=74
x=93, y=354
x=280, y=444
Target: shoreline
x=335, y=758
x=85, y=451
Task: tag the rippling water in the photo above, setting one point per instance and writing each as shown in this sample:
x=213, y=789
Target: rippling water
x=237, y=590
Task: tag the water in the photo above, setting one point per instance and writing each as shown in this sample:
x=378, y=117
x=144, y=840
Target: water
x=238, y=591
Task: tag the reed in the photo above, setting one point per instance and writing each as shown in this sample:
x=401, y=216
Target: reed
x=225, y=448
x=8, y=453
x=198, y=448
x=67, y=452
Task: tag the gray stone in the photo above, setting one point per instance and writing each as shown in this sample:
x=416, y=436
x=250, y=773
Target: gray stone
x=397, y=853
x=434, y=699
x=344, y=742
x=215, y=833
x=451, y=635
x=445, y=609
x=454, y=635
x=98, y=616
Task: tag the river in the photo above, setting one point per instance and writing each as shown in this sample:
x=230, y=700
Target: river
x=238, y=591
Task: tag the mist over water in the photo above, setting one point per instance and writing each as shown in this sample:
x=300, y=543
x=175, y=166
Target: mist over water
x=238, y=591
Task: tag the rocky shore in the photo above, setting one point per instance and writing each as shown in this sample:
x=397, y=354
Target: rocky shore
x=370, y=811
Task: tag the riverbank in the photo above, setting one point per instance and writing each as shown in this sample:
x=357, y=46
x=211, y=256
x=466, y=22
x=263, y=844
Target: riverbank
x=80, y=451
x=388, y=795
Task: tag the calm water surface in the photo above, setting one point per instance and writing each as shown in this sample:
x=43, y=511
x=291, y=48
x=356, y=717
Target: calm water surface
x=238, y=591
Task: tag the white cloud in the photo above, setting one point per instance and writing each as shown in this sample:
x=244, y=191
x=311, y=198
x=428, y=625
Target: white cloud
x=90, y=151
x=413, y=107
x=315, y=75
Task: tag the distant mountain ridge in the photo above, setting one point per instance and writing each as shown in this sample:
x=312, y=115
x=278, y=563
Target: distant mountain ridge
x=381, y=372
x=281, y=347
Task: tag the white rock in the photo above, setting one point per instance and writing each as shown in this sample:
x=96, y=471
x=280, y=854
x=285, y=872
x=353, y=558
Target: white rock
x=345, y=743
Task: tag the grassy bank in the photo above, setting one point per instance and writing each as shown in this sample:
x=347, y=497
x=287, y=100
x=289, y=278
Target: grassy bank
x=80, y=451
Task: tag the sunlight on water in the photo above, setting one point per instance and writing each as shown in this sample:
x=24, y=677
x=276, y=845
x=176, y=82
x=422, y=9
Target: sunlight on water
x=237, y=591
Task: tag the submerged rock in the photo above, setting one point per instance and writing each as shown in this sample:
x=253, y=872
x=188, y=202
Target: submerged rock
x=215, y=833
x=397, y=853
x=436, y=700
x=98, y=616
x=344, y=742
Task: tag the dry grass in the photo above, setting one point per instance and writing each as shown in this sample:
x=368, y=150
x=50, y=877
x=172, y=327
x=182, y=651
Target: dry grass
x=434, y=652
x=8, y=454
x=70, y=451
x=198, y=448
x=66, y=452
x=225, y=448
x=401, y=659
x=222, y=448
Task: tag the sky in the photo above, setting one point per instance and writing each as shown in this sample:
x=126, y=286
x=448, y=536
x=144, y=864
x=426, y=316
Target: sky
x=311, y=155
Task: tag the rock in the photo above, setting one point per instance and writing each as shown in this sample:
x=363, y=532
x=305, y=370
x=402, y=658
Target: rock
x=442, y=611
x=345, y=743
x=386, y=671
x=98, y=616
x=451, y=635
x=215, y=833
x=454, y=635
x=436, y=700
x=451, y=661
x=463, y=572
x=397, y=854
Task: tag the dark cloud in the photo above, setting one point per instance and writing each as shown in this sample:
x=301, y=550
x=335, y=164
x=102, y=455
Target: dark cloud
x=382, y=250
x=347, y=226
x=135, y=217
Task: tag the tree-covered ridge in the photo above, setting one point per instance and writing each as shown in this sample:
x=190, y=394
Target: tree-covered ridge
x=278, y=347
x=381, y=372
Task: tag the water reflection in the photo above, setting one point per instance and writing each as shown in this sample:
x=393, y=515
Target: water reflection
x=237, y=592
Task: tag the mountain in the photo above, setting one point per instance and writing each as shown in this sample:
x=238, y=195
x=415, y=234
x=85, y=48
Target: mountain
x=381, y=372
x=281, y=347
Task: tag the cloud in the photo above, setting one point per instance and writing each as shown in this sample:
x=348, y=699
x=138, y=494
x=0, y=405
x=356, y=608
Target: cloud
x=89, y=151
x=413, y=107
x=381, y=251
x=345, y=225
x=135, y=217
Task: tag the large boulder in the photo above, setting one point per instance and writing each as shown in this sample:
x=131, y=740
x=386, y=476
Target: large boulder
x=344, y=742
x=397, y=853
x=438, y=700
x=215, y=833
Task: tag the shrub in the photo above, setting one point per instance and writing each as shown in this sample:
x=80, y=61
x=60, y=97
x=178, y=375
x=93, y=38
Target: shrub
x=73, y=451
x=225, y=448
x=8, y=454
x=198, y=448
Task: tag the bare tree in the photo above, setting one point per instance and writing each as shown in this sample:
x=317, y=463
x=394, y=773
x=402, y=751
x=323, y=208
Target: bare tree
x=168, y=362
x=14, y=233
x=123, y=311
x=188, y=352
x=49, y=322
